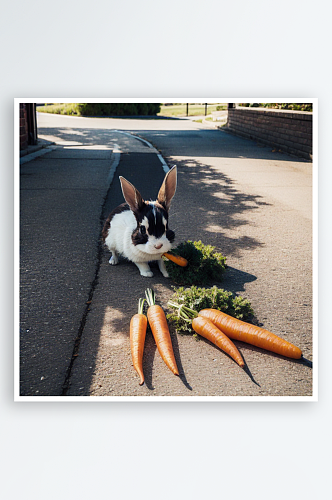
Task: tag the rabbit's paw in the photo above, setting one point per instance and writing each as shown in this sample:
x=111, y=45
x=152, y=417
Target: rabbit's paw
x=144, y=269
x=113, y=260
x=147, y=274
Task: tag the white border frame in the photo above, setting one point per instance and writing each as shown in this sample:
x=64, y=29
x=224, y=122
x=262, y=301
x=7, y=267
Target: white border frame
x=166, y=399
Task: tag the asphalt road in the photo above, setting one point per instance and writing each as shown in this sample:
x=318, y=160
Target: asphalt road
x=253, y=204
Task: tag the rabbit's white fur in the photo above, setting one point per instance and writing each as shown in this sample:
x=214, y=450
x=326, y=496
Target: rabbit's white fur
x=119, y=242
x=139, y=230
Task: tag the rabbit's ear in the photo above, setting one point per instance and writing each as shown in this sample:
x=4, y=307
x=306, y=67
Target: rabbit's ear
x=131, y=195
x=168, y=188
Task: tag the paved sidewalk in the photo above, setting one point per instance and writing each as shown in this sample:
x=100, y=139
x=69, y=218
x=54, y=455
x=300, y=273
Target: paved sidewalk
x=62, y=194
x=253, y=205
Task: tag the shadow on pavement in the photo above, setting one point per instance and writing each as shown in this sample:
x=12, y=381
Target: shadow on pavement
x=208, y=205
x=184, y=142
x=235, y=279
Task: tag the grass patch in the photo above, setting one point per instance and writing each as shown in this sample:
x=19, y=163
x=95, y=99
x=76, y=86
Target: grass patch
x=173, y=110
x=59, y=109
x=180, y=110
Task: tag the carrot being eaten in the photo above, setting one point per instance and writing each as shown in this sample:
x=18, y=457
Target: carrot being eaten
x=251, y=334
x=138, y=324
x=159, y=327
x=177, y=259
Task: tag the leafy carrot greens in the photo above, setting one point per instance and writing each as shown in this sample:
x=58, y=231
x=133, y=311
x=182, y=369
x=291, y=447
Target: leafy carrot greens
x=196, y=298
x=205, y=265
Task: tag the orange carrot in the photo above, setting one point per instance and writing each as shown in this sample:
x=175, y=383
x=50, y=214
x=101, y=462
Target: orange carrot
x=160, y=331
x=208, y=330
x=180, y=261
x=251, y=334
x=138, y=324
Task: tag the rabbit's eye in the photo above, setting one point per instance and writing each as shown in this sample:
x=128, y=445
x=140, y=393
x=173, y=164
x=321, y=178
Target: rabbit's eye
x=143, y=230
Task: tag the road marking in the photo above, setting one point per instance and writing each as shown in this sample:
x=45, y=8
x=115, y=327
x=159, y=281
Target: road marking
x=116, y=154
x=164, y=164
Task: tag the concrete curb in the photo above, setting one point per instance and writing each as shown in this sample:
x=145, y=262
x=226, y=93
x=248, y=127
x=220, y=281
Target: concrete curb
x=115, y=160
x=42, y=143
x=215, y=124
x=34, y=155
x=39, y=149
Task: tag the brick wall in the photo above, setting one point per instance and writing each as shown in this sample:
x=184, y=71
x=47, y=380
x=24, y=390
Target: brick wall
x=23, y=127
x=290, y=131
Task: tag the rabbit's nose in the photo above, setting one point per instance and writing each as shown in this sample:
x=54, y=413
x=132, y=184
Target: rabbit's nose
x=158, y=246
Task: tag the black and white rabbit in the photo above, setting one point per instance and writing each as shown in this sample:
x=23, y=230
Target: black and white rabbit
x=138, y=229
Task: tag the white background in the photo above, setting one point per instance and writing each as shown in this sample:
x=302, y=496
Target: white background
x=170, y=49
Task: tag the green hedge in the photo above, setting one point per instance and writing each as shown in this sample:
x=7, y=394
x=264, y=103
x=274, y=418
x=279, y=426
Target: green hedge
x=295, y=106
x=118, y=109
